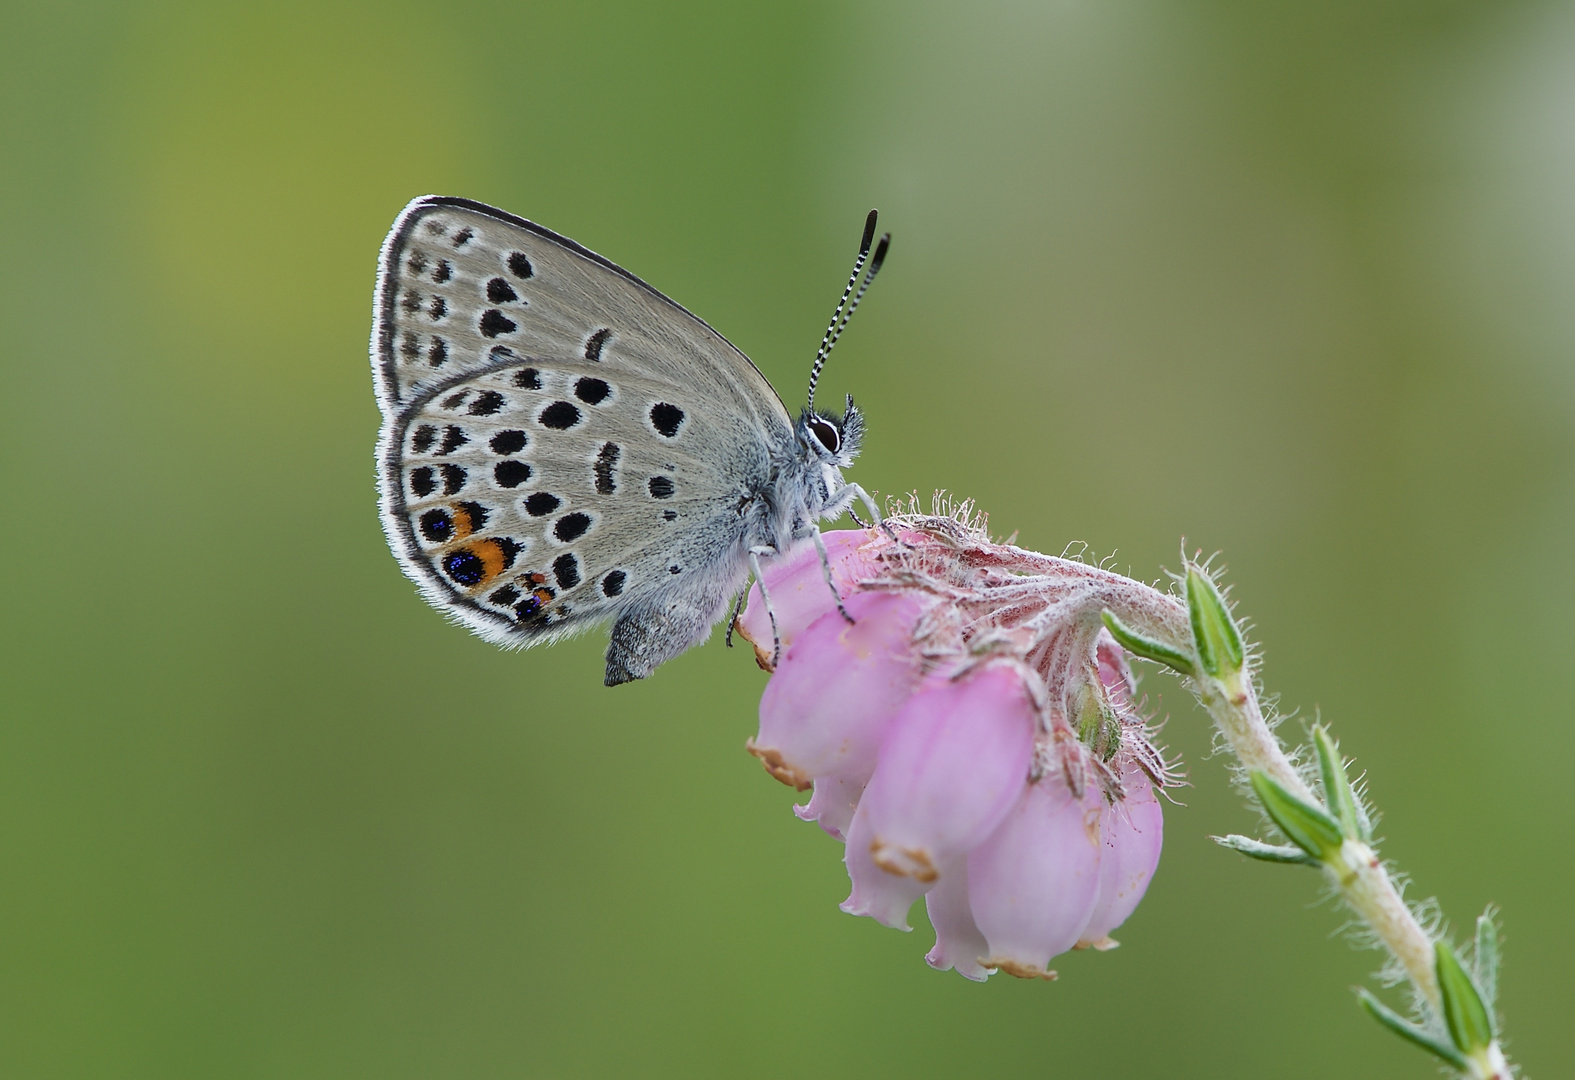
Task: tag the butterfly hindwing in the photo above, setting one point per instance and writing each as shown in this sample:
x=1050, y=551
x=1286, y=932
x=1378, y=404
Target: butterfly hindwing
x=561, y=443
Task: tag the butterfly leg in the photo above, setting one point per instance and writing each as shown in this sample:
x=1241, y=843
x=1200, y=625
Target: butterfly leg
x=825, y=569
x=754, y=566
x=874, y=511
x=738, y=609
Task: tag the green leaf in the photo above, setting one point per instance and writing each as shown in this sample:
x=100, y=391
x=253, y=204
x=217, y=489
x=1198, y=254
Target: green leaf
x=1487, y=959
x=1409, y=1031
x=1305, y=825
x=1257, y=849
x=1214, y=633
x=1337, y=785
x=1149, y=649
x=1464, y=1013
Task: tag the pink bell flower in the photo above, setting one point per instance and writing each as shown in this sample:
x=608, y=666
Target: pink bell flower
x=950, y=769
x=971, y=737
x=826, y=710
x=1131, y=834
x=798, y=589
x=1033, y=884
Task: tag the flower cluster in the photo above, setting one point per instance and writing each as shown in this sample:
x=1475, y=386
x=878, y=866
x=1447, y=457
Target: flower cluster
x=969, y=730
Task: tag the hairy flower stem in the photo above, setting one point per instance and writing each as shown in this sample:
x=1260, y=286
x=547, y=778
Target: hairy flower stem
x=1354, y=868
x=1233, y=704
x=1331, y=831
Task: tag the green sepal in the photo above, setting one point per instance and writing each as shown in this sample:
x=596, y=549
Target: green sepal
x=1464, y=1013
x=1305, y=825
x=1486, y=957
x=1337, y=787
x=1149, y=649
x=1257, y=849
x=1409, y=1031
x=1214, y=633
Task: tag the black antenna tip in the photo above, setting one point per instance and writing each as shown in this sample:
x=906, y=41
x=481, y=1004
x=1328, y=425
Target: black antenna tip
x=869, y=232
x=880, y=253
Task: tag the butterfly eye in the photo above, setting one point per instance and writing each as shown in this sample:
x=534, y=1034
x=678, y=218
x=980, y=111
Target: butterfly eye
x=827, y=433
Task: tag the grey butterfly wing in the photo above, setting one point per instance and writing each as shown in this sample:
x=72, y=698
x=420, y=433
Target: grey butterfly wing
x=561, y=443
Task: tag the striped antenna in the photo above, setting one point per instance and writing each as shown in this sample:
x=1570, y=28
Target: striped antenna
x=844, y=312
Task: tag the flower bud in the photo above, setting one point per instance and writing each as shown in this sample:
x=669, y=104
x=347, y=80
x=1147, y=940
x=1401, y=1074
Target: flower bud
x=949, y=770
x=797, y=585
x=1033, y=885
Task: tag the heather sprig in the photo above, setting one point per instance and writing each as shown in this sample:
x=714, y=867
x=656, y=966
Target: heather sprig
x=970, y=730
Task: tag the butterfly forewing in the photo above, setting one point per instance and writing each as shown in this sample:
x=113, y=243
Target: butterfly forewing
x=458, y=279
x=559, y=438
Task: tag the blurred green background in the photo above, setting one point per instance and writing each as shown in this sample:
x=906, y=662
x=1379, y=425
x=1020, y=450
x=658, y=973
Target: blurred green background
x=1294, y=283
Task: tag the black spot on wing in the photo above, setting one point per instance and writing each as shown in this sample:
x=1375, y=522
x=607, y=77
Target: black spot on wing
x=606, y=461
x=486, y=403
x=478, y=515
x=443, y=272
x=666, y=419
x=510, y=549
x=500, y=291
x=570, y=527
x=410, y=345
x=437, y=526
x=454, y=401
x=438, y=309
x=669, y=515
x=519, y=265
x=453, y=479
x=438, y=352
x=566, y=568
x=591, y=391
x=453, y=439
x=494, y=322
x=596, y=343
x=422, y=440
x=422, y=482
x=660, y=487
x=462, y=237
x=527, y=379
x=465, y=567
x=504, y=597
x=560, y=416
x=612, y=584
x=417, y=262
x=412, y=301
x=508, y=442
x=541, y=504
x=511, y=474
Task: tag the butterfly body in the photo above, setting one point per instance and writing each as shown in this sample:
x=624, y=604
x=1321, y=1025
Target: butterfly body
x=562, y=445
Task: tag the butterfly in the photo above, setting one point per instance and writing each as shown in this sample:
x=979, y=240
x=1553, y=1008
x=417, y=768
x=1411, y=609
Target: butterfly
x=562, y=445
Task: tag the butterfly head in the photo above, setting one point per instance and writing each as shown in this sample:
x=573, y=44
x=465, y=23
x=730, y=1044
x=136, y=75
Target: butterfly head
x=831, y=439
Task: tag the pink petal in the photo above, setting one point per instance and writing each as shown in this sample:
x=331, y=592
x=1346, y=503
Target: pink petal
x=884, y=897
x=949, y=770
x=1131, y=834
x=828, y=706
x=798, y=590
x=832, y=805
x=1033, y=884
x=958, y=942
